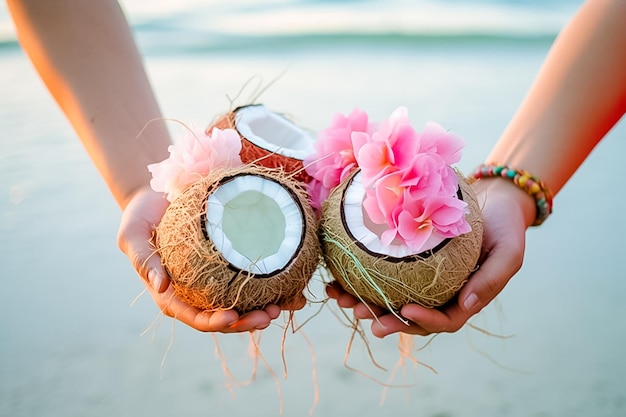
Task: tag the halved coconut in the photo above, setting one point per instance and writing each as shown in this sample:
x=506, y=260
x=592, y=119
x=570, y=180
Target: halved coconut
x=240, y=238
x=269, y=139
x=393, y=275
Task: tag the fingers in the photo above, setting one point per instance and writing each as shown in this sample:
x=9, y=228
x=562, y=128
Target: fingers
x=141, y=215
x=504, y=229
x=135, y=243
x=254, y=320
x=223, y=321
x=483, y=286
x=333, y=289
x=503, y=261
x=448, y=319
x=201, y=320
x=294, y=304
x=419, y=320
x=504, y=241
x=139, y=219
x=156, y=275
x=344, y=299
x=389, y=324
x=368, y=311
x=273, y=311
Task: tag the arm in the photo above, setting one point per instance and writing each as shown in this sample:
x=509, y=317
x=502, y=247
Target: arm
x=86, y=56
x=85, y=53
x=577, y=97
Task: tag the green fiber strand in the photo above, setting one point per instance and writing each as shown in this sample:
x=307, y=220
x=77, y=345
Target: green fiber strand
x=366, y=276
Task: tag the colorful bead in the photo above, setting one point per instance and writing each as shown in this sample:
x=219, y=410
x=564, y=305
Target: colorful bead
x=524, y=180
x=534, y=189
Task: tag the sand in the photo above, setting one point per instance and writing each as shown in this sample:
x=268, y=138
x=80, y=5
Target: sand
x=72, y=344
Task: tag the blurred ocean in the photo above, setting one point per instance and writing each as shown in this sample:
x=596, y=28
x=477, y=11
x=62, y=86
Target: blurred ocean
x=72, y=340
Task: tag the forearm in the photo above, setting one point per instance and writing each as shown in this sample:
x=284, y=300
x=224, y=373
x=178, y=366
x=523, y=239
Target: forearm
x=86, y=56
x=579, y=94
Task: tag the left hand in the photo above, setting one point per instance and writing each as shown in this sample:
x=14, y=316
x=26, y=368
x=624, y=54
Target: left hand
x=505, y=215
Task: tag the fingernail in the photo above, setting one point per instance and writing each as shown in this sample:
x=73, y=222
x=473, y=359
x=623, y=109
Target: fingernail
x=156, y=280
x=471, y=303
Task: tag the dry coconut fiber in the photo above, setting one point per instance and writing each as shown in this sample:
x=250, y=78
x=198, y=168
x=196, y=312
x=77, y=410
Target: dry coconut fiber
x=269, y=139
x=430, y=278
x=240, y=238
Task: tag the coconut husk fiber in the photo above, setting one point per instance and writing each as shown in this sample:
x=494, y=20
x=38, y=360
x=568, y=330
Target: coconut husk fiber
x=430, y=279
x=203, y=278
x=253, y=154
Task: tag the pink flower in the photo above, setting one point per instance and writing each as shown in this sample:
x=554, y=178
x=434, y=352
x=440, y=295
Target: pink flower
x=435, y=139
x=317, y=193
x=381, y=199
x=418, y=223
x=193, y=157
x=334, y=158
x=429, y=175
x=409, y=183
x=390, y=149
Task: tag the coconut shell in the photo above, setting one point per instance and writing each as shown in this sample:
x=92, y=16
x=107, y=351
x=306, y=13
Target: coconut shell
x=203, y=278
x=430, y=278
x=253, y=154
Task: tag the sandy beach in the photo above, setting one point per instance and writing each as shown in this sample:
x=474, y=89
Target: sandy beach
x=78, y=337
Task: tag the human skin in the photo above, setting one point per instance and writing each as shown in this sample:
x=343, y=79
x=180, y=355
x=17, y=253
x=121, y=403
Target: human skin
x=86, y=56
x=578, y=95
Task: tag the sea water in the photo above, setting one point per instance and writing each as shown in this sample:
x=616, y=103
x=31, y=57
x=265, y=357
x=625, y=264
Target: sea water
x=78, y=337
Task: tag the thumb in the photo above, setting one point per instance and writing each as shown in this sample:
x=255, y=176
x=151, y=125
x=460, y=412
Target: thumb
x=137, y=246
x=491, y=277
x=135, y=239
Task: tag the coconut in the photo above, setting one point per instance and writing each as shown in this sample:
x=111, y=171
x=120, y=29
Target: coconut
x=239, y=238
x=269, y=139
x=392, y=275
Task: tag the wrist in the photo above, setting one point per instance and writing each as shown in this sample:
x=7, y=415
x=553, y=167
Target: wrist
x=134, y=193
x=524, y=181
x=500, y=191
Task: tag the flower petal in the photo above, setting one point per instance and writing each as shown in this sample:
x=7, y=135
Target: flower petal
x=414, y=232
x=334, y=155
x=438, y=140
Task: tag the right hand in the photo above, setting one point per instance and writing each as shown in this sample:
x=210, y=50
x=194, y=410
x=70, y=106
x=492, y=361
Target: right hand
x=139, y=219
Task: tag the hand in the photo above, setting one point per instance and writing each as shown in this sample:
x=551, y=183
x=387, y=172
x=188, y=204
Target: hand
x=506, y=213
x=143, y=212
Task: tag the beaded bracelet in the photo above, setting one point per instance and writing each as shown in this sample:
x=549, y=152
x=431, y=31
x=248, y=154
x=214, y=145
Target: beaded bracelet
x=524, y=180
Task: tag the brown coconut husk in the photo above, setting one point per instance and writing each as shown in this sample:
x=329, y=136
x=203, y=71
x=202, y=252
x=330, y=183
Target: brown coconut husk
x=253, y=154
x=430, y=279
x=203, y=278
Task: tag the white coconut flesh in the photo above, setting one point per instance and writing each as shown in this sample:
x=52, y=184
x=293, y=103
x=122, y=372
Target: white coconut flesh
x=366, y=232
x=255, y=223
x=273, y=132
